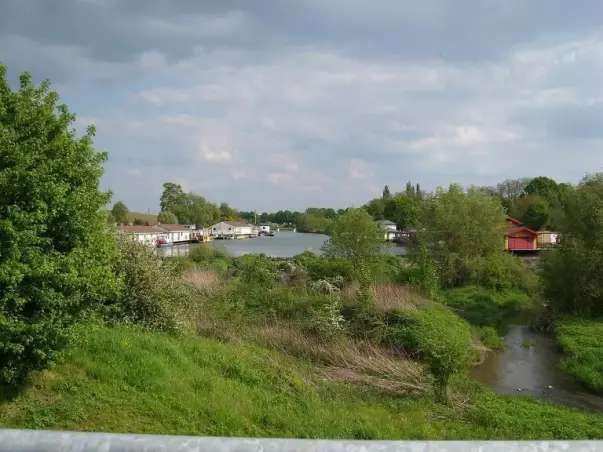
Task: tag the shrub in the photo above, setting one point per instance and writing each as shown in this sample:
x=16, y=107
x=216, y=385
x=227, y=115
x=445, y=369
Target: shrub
x=326, y=321
x=257, y=270
x=153, y=293
x=437, y=336
x=56, y=257
x=317, y=267
x=484, y=307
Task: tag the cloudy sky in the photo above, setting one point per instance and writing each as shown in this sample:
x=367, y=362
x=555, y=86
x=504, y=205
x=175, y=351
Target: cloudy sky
x=276, y=104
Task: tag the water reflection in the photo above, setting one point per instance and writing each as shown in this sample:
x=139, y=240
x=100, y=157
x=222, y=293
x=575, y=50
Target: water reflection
x=528, y=363
x=283, y=244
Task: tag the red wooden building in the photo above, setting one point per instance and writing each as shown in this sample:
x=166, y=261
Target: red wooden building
x=519, y=237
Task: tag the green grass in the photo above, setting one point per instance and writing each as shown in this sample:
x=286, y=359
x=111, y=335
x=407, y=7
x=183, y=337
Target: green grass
x=486, y=307
x=125, y=380
x=150, y=217
x=582, y=345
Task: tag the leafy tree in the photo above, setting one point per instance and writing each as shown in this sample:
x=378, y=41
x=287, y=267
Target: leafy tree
x=167, y=217
x=571, y=272
x=402, y=210
x=461, y=231
x=376, y=208
x=173, y=198
x=356, y=237
x=386, y=193
x=226, y=212
x=55, y=255
x=537, y=214
x=544, y=187
x=140, y=222
x=120, y=212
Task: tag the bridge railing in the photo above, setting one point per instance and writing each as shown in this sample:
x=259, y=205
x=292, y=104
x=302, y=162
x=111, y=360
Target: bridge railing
x=54, y=441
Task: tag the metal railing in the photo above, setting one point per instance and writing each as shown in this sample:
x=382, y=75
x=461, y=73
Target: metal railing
x=53, y=441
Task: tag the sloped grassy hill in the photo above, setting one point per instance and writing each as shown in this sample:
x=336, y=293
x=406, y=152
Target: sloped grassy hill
x=125, y=380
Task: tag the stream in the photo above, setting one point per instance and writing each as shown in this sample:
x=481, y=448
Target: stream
x=528, y=363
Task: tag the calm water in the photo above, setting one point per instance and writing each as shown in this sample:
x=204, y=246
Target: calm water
x=532, y=369
x=283, y=244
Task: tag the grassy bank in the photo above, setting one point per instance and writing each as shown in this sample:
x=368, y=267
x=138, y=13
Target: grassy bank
x=126, y=380
x=582, y=345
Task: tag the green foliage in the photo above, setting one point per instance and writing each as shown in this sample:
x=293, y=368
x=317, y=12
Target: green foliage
x=191, y=208
x=55, y=255
x=152, y=295
x=358, y=239
x=537, y=214
x=403, y=210
x=140, y=222
x=120, y=212
x=582, y=347
x=544, y=187
x=257, y=270
x=486, y=307
x=312, y=222
x=318, y=267
x=119, y=380
x=571, y=273
x=167, y=217
x=488, y=336
x=462, y=229
x=439, y=337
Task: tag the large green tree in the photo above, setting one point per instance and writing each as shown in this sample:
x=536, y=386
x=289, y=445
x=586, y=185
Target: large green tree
x=55, y=254
x=356, y=237
x=403, y=210
x=571, y=272
x=462, y=229
x=120, y=212
x=167, y=217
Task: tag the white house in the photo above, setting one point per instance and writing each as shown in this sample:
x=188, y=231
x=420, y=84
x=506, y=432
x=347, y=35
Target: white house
x=176, y=233
x=265, y=228
x=389, y=227
x=146, y=235
x=231, y=229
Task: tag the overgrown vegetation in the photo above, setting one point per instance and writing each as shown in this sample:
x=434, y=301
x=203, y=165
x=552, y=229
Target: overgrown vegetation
x=351, y=344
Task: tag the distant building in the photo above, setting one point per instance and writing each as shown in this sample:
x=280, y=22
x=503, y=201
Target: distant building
x=231, y=230
x=519, y=237
x=264, y=227
x=147, y=235
x=389, y=227
x=177, y=233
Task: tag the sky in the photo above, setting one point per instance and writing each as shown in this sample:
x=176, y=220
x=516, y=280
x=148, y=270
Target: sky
x=286, y=104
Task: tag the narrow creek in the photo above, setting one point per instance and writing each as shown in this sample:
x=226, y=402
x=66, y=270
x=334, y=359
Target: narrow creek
x=527, y=366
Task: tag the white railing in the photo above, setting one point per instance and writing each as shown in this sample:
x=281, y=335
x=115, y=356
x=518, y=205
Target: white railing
x=52, y=441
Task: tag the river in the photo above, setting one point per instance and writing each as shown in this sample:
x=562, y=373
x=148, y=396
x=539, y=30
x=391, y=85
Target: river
x=529, y=363
x=283, y=244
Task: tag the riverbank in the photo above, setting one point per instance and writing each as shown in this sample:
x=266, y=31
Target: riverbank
x=581, y=342
x=127, y=380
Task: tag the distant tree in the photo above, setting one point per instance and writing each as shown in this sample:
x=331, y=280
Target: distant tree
x=410, y=189
x=173, y=198
x=110, y=219
x=571, y=272
x=356, y=237
x=542, y=186
x=120, y=212
x=56, y=259
x=461, y=231
x=167, y=217
x=227, y=212
x=140, y=222
x=537, y=214
x=376, y=208
x=402, y=210
x=386, y=193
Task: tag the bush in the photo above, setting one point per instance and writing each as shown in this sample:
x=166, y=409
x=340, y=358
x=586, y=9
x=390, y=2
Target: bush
x=56, y=257
x=153, y=294
x=318, y=267
x=484, y=307
x=437, y=336
x=257, y=270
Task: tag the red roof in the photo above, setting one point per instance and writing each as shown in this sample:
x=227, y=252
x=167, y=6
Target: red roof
x=173, y=227
x=142, y=229
x=515, y=221
x=512, y=231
